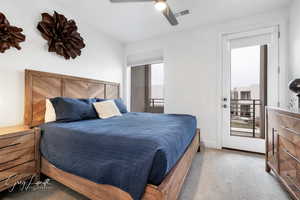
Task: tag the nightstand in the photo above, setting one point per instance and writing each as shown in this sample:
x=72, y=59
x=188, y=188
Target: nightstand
x=19, y=155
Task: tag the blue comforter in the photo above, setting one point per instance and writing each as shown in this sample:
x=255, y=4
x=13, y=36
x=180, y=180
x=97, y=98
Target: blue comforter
x=128, y=152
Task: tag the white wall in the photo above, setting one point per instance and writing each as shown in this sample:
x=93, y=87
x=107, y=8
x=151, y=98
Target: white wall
x=294, y=49
x=193, y=72
x=102, y=58
x=295, y=40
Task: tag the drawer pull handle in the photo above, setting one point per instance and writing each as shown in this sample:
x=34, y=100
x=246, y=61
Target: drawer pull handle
x=10, y=145
x=11, y=160
x=293, y=182
x=291, y=155
x=273, y=140
x=3, y=180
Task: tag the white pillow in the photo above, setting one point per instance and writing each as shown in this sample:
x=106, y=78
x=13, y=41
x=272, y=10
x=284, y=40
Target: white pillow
x=50, y=115
x=107, y=109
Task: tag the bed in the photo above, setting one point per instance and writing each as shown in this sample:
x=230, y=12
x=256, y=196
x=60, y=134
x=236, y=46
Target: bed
x=163, y=145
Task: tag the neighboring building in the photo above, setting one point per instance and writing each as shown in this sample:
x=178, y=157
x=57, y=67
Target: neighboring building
x=243, y=100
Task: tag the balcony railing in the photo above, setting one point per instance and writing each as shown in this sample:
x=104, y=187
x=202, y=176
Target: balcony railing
x=156, y=105
x=245, y=117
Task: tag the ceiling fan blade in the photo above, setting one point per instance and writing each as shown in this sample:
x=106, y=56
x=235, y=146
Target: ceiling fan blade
x=170, y=16
x=128, y=1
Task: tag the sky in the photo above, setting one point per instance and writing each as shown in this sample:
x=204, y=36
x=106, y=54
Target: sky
x=245, y=66
x=157, y=81
x=157, y=74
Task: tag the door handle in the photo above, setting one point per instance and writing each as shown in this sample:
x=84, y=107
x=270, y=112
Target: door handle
x=224, y=106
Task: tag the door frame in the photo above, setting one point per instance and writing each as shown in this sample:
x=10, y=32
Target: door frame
x=280, y=76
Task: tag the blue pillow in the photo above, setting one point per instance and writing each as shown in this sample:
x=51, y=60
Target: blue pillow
x=119, y=103
x=68, y=109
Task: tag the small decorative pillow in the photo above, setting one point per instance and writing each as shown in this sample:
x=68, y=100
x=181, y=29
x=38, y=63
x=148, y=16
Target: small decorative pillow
x=119, y=103
x=50, y=115
x=107, y=109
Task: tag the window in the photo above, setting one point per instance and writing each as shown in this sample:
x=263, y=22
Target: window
x=234, y=95
x=245, y=110
x=157, y=88
x=147, y=88
x=245, y=95
x=157, y=81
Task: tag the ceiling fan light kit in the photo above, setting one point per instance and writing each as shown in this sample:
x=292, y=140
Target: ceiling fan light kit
x=160, y=5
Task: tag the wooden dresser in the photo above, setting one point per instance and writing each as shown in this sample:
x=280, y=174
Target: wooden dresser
x=19, y=155
x=283, y=148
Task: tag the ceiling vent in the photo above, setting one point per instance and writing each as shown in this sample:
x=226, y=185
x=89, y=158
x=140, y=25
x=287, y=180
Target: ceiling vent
x=182, y=13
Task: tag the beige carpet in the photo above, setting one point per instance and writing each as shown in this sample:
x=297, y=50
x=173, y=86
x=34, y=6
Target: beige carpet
x=215, y=175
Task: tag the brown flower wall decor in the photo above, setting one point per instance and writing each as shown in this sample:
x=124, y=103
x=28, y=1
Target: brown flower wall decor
x=61, y=34
x=10, y=36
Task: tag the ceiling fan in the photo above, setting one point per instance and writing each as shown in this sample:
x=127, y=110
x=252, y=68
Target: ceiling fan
x=160, y=5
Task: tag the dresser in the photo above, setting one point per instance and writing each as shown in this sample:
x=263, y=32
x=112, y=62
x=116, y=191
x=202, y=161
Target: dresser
x=283, y=148
x=19, y=155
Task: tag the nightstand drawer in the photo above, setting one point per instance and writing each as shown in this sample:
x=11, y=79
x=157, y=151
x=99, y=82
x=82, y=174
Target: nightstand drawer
x=15, y=143
x=11, y=176
x=12, y=159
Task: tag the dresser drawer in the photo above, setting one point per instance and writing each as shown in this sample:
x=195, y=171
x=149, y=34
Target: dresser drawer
x=287, y=126
x=289, y=123
x=289, y=169
x=288, y=134
x=11, y=176
x=10, y=144
x=292, y=182
x=12, y=159
x=289, y=147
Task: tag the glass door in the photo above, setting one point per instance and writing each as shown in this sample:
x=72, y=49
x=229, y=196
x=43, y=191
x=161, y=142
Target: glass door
x=249, y=60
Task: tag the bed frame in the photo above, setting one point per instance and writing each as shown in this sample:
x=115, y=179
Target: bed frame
x=42, y=85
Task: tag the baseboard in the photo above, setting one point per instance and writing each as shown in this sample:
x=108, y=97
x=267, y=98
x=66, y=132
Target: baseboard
x=209, y=144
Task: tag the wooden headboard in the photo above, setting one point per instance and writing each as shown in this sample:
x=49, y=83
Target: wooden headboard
x=42, y=85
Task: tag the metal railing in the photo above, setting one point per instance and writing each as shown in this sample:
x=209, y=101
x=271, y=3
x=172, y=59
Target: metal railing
x=244, y=115
x=156, y=105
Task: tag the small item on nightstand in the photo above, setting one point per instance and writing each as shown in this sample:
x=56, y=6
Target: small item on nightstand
x=19, y=155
